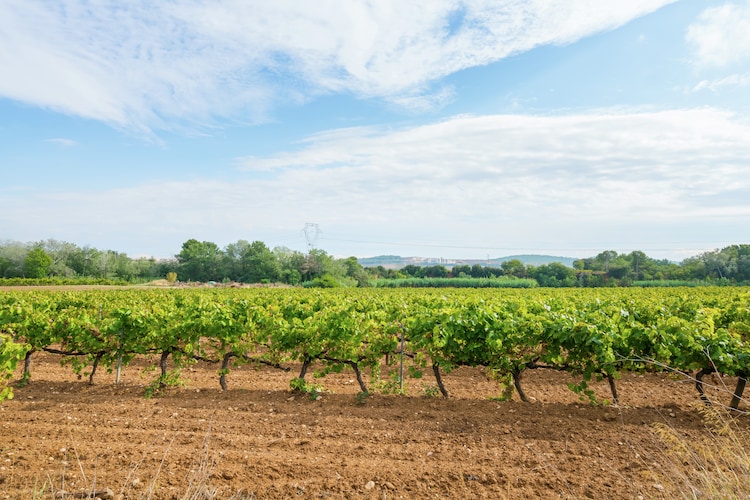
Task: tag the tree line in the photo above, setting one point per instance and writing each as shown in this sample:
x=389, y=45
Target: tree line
x=200, y=261
x=254, y=262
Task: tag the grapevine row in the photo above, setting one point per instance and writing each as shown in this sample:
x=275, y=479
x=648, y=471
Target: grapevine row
x=589, y=333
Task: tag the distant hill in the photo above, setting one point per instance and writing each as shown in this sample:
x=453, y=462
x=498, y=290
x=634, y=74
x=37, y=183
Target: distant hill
x=397, y=262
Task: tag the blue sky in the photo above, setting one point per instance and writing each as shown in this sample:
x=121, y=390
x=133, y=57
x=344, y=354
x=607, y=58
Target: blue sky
x=434, y=128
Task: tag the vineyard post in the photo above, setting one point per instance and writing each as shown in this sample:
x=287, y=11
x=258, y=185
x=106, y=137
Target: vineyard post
x=401, y=367
x=119, y=357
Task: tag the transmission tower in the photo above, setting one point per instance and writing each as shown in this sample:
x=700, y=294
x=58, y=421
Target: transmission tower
x=312, y=234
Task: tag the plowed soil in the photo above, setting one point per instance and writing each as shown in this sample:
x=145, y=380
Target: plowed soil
x=61, y=435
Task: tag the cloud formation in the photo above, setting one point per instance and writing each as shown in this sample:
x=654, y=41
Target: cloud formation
x=735, y=80
x=720, y=37
x=144, y=65
x=474, y=182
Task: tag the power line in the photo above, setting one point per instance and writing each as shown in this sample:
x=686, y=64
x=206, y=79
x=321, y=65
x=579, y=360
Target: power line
x=312, y=234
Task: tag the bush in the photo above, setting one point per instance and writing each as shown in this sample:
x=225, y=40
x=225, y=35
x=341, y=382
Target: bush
x=325, y=281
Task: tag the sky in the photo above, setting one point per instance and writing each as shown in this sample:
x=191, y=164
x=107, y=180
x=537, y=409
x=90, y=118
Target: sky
x=434, y=128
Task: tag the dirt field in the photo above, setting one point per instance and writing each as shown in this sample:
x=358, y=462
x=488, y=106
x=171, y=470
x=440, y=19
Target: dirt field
x=258, y=440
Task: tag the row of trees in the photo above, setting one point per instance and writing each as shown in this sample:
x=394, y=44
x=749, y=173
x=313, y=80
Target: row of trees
x=728, y=265
x=202, y=261
x=67, y=260
x=254, y=262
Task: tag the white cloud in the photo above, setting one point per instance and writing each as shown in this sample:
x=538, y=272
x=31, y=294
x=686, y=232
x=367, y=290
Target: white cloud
x=735, y=80
x=62, y=142
x=145, y=65
x=720, y=36
x=470, y=181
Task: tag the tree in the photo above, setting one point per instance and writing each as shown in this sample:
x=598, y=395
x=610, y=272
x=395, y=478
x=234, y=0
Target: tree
x=461, y=271
x=743, y=263
x=436, y=271
x=259, y=264
x=200, y=261
x=639, y=262
x=605, y=260
x=479, y=271
x=291, y=262
x=62, y=254
x=37, y=263
x=80, y=260
x=514, y=267
x=553, y=274
x=719, y=264
x=102, y=263
x=355, y=271
x=413, y=271
x=232, y=260
x=692, y=268
x=12, y=259
x=317, y=263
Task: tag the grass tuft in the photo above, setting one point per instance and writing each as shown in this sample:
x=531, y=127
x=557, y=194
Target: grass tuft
x=713, y=465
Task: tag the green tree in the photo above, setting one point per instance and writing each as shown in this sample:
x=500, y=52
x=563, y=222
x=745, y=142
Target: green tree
x=743, y=263
x=479, y=271
x=259, y=264
x=461, y=271
x=514, y=267
x=200, y=261
x=436, y=271
x=553, y=274
x=355, y=271
x=291, y=262
x=232, y=260
x=81, y=261
x=413, y=271
x=37, y=263
x=317, y=263
x=12, y=259
x=63, y=255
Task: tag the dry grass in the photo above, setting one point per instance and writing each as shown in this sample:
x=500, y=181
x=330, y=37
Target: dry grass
x=197, y=481
x=715, y=464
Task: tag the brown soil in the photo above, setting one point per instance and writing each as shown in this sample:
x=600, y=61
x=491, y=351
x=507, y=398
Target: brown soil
x=258, y=440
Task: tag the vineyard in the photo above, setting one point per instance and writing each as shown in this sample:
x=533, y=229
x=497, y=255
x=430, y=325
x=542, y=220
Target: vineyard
x=589, y=333
x=387, y=342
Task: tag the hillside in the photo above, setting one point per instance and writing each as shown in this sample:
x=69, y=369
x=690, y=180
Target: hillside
x=397, y=262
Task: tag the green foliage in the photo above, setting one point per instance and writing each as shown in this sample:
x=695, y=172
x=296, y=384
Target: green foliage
x=553, y=275
x=254, y=262
x=300, y=385
x=259, y=263
x=591, y=334
x=200, y=261
x=431, y=391
x=455, y=283
x=10, y=354
x=391, y=385
x=505, y=381
x=325, y=281
x=514, y=267
x=37, y=263
x=361, y=397
x=171, y=379
x=60, y=281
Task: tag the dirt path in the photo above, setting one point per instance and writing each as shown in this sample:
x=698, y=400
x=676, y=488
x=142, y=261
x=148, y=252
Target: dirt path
x=257, y=440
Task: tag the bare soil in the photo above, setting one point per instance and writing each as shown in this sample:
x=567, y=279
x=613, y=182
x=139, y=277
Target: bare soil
x=259, y=440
